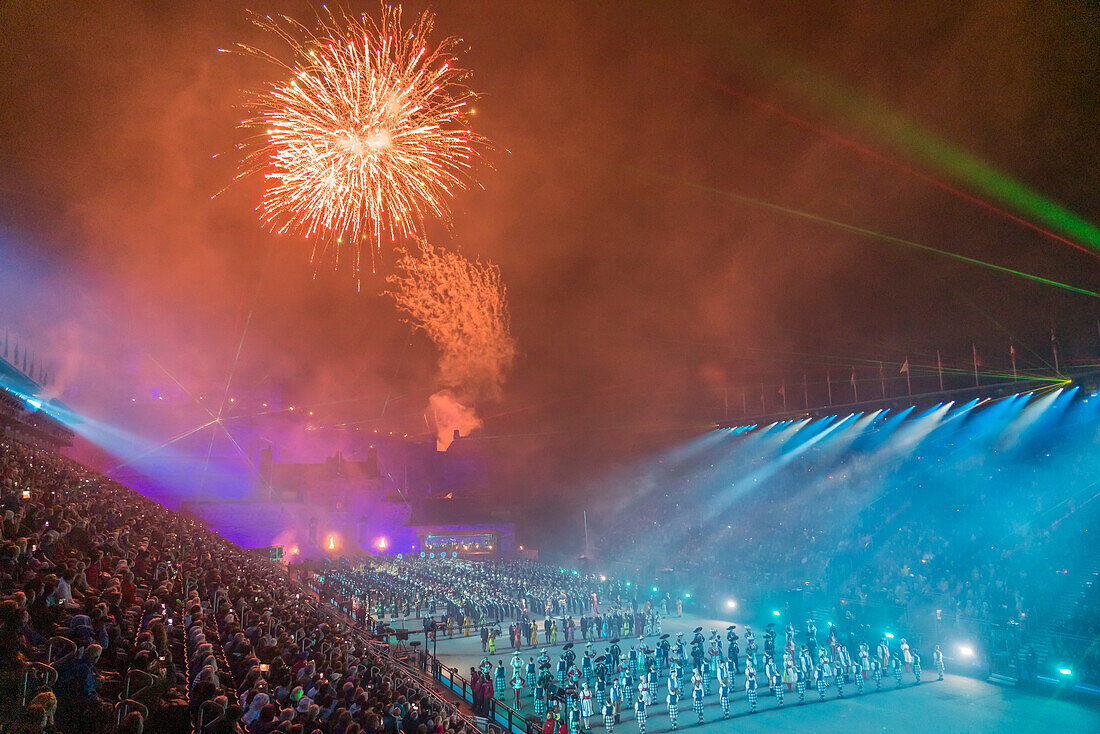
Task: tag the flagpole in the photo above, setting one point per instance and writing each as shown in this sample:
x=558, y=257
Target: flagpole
x=939, y=364
x=908, y=379
x=763, y=407
x=829, y=385
x=783, y=392
x=882, y=380
x=744, y=401
x=975, y=348
x=855, y=392
x=805, y=391
x=1012, y=354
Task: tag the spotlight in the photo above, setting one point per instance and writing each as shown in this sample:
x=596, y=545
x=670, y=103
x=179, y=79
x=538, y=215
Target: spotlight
x=602, y=577
x=966, y=651
x=889, y=635
x=775, y=613
x=731, y=604
x=654, y=589
x=1065, y=671
x=687, y=595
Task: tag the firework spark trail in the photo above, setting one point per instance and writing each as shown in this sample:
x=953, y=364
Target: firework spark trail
x=462, y=306
x=367, y=138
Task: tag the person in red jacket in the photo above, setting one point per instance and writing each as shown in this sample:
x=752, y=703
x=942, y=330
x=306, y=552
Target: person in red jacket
x=550, y=725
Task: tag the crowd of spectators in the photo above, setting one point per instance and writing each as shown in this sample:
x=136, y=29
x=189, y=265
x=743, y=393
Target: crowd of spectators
x=152, y=622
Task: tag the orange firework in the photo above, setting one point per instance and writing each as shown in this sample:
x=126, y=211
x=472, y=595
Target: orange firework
x=462, y=306
x=367, y=137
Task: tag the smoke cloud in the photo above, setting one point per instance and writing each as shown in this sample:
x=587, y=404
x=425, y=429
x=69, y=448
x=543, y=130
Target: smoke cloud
x=462, y=306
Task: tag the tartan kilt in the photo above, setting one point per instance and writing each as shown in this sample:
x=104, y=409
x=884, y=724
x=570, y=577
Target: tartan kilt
x=599, y=698
x=725, y=701
x=673, y=710
x=751, y=696
x=540, y=706
x=800, y=686
x=640, y=716
x=779, y=694
x=499, y=690
x=609, y=722
x=628, y=694
x=697, y=705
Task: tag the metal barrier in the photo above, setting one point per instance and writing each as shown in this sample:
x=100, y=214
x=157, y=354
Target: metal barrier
x=499, y=712
x=49, y=677
x=124, y=707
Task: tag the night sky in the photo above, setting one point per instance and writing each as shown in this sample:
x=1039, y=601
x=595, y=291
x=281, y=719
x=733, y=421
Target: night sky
x=626, y=137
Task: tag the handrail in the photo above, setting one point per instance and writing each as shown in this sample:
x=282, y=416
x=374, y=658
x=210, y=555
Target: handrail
x=121, y=710
x=59, y=639
x=50, y=676
x=126, y=683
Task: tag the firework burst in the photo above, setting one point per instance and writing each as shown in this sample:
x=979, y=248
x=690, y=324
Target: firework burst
x=462, y=306
x=368, y=135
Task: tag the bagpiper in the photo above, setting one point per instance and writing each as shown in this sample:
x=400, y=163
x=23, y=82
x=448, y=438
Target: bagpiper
x=750, y=689
x=639, y=713
x=697, y=694
x=937, y=660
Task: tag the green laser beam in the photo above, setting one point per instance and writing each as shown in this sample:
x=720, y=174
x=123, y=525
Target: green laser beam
x=908, y=135
x=797, y=213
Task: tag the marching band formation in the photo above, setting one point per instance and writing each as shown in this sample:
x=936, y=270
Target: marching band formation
x=575, y=689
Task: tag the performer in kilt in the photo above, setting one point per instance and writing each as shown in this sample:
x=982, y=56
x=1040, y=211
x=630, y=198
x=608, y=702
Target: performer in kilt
x=673, y=700
x=895, y=661
x=916, y=665
x=697, y=694
x=750, y=689
x=800, y=685
x=609, y=717
x=876, y=673
x=937, y=660
x=639, y=714
x=857, y=675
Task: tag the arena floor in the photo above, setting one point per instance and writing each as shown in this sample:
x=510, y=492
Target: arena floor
x=958, y=704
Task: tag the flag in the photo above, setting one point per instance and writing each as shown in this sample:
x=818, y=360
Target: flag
x=904, y=366
x=783, y=391
x=853, y=377
x=977, y=359
x=1012, y=351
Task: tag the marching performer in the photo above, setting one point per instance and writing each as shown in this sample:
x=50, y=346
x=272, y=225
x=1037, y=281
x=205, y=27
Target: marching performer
x=800, y=685
x=896, y=663
x=626, y=683
x=697, y=693
x=704, y=670
x=639, y=713
x=883, y=654
x=821, y=677
x=864, y=659
x=805, y=662
x=517, y=686
x=876, y=673
x=608, y=717
x=857, y=675
x=644, y=692
x=750, y=689
x=750, y=647
x=532, y=679
x=673, y=699
x=906, y=656
x=540, y=698
x=839, y=673
x=586, y=704
x=937, y=660
x=916, y=666
x=724, y=688
x=770, y=672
